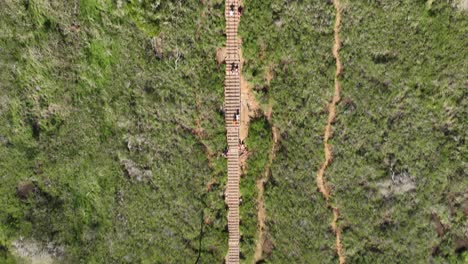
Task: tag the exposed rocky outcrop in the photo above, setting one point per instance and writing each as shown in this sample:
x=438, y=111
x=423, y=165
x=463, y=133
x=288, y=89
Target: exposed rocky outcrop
x=134, y=172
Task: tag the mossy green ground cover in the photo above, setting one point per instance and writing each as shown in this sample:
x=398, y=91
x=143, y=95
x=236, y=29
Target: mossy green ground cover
x=259, y=143
x=293, y=41
x=81, y=93
x=87, y=112
x=403, y=113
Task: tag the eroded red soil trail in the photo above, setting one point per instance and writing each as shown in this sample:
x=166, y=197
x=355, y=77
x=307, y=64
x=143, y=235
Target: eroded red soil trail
x=321, y=181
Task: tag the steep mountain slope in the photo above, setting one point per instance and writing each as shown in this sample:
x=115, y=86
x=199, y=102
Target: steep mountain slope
x=100, y=102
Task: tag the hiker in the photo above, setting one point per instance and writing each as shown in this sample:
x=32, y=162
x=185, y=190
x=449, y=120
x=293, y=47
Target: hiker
x=221, y=110
x=242, y=148
x=226, y=152
x=236, y=117
x=239, y=10
x=234, y=68
x=231, y=10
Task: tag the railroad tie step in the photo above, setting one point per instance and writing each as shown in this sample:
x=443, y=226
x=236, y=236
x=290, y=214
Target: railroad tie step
x=232, y=102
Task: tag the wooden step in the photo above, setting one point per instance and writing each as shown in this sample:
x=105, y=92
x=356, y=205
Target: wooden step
x=232, y=102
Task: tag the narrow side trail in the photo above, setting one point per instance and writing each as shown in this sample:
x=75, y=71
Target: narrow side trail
x=261, y=214
x=251, y=108
x=321, y=182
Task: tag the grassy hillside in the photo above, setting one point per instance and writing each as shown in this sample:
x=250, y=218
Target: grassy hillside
x=399, y=173
x=111, y=134
x=97, y=124
x=292, y=43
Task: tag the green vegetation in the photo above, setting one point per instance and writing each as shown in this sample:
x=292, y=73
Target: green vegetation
x=295, y=49
x=403, y=113
x=111, y=136
x=96, y=117
x=259, y=144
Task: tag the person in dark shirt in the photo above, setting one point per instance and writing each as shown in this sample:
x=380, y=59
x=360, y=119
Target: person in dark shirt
x=231, y=10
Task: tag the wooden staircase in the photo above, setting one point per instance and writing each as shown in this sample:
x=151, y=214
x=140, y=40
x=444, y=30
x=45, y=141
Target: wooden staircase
x=232, y=104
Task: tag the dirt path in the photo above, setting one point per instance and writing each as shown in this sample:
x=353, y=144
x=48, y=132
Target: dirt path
x=261, y=217
x=321, y=182
x=250, y=108
x=261, y=214
x=249, y=105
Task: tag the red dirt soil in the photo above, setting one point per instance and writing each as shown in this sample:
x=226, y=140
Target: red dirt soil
x=321, y=182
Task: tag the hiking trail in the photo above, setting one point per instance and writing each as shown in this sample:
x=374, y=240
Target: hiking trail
x=232, y=104
x=321, y=182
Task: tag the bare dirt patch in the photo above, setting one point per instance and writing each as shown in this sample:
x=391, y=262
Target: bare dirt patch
x=220, y=55
x=249, y=106
x=269, y=75
x=399, y=184
x=157, y=46
x=25, y=189
x=35, y=252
